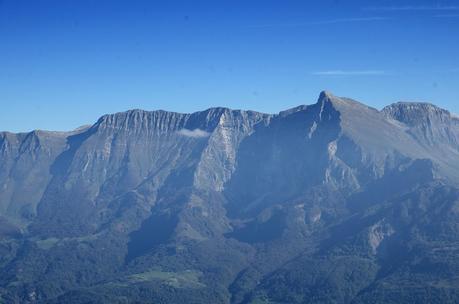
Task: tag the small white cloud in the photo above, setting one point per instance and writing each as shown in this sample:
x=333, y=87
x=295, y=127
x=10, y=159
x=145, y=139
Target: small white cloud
x=196, y=133
x=349, y=73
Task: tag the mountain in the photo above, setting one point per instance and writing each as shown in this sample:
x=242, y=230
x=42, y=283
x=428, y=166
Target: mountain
x=334, y=202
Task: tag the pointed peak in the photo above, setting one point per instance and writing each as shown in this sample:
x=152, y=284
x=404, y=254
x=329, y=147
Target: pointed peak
x=328, y=100
x=326, y=95
x=342, y=103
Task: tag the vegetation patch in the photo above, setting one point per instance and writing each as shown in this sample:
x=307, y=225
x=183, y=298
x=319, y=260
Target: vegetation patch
x=182, y=279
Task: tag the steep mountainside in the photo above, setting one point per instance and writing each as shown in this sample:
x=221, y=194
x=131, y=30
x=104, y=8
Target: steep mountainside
x=334, y=202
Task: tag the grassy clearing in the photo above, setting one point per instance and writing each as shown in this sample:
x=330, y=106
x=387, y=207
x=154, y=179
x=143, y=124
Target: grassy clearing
x=182, y=279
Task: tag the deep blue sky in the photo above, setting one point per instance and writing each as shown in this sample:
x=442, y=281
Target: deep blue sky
x=65, y=63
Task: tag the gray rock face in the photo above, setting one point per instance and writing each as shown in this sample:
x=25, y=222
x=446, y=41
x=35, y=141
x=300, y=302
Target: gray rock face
x=427, y=123
x=25, y=161
x=335, y=201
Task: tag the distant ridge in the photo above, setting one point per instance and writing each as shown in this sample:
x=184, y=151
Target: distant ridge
x=333, y=202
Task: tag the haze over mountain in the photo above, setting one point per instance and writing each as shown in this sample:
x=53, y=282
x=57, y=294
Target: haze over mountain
x=334, y=202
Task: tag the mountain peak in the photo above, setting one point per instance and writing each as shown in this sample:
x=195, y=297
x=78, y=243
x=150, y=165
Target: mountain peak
x=415, y=106
x=333, y=101
x=416, y=113
x=342, y=102
x=326, y=95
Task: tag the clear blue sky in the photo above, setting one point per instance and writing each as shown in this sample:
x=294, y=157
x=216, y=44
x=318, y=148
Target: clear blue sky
x=65, y=63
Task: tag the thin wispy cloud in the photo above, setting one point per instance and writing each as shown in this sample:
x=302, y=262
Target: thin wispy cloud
x=412, y=8
x=349, y=73
x=319, y=22
x=351, y=20
x=447, y=16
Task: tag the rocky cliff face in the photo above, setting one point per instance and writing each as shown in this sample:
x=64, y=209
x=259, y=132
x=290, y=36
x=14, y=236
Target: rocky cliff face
x=334, y=201
x=25, y=161
x=429, y=124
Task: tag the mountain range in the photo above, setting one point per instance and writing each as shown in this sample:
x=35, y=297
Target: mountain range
x=334, y=202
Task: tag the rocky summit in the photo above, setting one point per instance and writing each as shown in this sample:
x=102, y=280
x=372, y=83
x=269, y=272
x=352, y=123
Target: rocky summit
x=334, y=202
